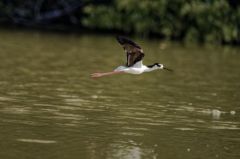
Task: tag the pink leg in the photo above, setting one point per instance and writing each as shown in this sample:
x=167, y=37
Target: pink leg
x=97, y=75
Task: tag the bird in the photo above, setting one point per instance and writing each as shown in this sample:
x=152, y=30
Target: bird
x=134, y=64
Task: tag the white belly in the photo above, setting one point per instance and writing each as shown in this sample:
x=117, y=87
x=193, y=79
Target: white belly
x=120, y=68
x=131, y=70
x=134, y=70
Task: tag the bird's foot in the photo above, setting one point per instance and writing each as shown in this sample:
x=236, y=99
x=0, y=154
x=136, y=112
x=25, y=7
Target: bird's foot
x=96, y=75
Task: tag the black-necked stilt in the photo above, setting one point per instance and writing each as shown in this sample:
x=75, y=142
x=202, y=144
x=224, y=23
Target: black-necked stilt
x=134, y=60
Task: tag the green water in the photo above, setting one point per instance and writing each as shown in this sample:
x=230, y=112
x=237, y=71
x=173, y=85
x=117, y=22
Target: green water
x=50, y=108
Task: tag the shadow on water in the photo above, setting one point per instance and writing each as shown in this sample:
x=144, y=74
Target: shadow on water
x=51, y=108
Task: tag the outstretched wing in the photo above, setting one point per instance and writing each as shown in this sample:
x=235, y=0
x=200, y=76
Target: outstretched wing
x=133, y=50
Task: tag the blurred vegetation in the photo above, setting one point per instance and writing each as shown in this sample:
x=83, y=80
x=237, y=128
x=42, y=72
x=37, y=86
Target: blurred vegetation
x=215, y=21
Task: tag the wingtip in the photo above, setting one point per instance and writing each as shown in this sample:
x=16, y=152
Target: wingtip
x=124, y=40
x=119, y=36
x=120, y=39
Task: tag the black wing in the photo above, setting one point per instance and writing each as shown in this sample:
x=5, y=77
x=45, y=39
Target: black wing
x=133, y=50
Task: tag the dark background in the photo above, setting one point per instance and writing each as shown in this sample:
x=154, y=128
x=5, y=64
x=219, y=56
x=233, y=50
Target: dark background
x=204, y=21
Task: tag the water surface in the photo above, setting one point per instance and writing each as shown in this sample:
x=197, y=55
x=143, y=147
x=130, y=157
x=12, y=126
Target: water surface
x=51, y=108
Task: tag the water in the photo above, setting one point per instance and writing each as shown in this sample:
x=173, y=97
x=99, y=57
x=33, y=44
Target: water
x=51, y=108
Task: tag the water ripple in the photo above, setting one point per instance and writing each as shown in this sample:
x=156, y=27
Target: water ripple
x=37, y=141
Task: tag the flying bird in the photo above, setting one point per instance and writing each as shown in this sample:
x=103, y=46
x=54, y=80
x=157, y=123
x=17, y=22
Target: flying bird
x=134, y=63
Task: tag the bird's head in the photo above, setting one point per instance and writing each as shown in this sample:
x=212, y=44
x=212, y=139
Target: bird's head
x=159, y=66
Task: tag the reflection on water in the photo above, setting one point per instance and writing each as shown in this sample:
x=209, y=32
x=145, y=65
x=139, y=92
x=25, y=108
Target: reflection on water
x=37, y=141
x=50, y=108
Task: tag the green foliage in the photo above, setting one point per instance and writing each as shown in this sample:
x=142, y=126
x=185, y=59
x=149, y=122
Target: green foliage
x=214, y=21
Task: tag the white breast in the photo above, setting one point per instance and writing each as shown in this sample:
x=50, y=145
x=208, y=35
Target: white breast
x=132, y=70
x=137, y=68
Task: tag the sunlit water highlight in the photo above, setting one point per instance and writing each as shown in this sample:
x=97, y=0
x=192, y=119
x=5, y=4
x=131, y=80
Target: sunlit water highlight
x=51, y=108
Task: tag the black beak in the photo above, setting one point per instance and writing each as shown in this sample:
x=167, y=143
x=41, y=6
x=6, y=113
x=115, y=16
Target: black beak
x=168, y=69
